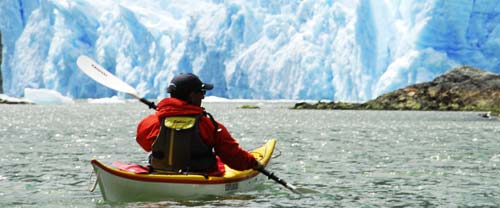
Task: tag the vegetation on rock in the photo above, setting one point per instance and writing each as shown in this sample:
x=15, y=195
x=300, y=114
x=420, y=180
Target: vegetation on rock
x=248, y=106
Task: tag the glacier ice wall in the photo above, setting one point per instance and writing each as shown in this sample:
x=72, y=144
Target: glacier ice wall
x=309, y=49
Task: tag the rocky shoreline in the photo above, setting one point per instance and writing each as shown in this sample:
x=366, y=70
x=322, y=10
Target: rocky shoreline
x=4, y=99
x=461, y=89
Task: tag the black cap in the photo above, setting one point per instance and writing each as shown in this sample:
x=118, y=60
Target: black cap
x=186, y=83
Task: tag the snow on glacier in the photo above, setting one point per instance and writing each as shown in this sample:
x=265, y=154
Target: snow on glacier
x=310, y=49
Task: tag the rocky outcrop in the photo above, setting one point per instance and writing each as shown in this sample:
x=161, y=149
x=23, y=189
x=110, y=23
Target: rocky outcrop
x=13, y=101
x=320, y=105
x=461, y=89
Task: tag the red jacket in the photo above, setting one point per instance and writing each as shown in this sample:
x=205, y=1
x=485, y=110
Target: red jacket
x=224, y=145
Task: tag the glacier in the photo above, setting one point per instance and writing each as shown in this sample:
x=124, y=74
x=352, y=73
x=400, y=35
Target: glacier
x=342, y=50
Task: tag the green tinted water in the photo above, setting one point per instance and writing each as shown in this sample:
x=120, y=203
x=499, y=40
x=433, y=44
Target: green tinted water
x=353, y=158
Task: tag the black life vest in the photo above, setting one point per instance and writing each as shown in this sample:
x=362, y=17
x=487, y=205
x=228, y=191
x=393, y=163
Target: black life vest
x=179, y=147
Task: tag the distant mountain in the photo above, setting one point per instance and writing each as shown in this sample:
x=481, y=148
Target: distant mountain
x=462, y=89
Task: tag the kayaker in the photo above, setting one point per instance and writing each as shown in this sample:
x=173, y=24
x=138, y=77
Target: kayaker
x=189, y=139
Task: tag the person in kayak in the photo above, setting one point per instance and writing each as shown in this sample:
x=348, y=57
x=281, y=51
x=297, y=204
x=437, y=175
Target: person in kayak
x=184, y=138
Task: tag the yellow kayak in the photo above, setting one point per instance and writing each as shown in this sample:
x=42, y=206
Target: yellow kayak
x=118, y=185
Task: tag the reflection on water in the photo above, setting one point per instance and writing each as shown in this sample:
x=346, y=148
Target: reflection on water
x=352, y=158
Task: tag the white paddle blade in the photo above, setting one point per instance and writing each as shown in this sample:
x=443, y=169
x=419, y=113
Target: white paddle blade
x=103, y=76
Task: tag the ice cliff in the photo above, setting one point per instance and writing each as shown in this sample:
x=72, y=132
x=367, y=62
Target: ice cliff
x=308, y=49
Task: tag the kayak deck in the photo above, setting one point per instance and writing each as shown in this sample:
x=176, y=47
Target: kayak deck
x=120, y=185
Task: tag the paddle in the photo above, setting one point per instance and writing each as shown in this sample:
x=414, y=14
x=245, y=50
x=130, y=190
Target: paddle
x=277, y=180
x=104, y=77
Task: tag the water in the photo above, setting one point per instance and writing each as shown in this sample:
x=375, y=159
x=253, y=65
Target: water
x=353, y=158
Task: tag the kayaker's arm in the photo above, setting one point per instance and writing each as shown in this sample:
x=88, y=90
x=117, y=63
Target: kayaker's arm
x=147, y=131
x=226, y=147
x=232, y=154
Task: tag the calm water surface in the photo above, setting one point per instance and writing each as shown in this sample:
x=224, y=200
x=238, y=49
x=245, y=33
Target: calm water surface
x=353, y=158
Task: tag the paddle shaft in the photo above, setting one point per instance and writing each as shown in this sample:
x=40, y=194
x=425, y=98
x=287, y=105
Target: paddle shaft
x=148, y=103
x=278, y=180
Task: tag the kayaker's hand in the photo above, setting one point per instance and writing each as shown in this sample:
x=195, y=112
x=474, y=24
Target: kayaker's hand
x=258, y=166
